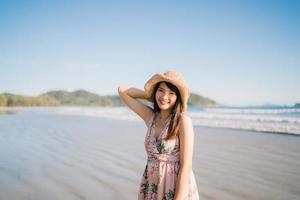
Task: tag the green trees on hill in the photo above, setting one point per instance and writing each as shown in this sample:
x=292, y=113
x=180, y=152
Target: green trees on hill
x=18, y=100
x=3, y=101
x=82, y=98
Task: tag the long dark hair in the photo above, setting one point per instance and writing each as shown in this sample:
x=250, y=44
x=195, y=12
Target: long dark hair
x=175, y=112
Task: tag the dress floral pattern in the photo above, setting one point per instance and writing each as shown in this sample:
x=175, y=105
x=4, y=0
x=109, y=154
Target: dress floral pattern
x=161, y=172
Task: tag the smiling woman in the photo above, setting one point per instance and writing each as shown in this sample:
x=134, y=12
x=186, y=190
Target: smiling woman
x=165, y=96
x=169, y=140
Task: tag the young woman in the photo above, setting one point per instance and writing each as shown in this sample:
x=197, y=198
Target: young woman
x=169, y=140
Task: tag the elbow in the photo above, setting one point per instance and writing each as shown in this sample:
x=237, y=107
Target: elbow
x=120, y=89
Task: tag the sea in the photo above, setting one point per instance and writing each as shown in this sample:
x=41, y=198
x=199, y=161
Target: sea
x=273, y=119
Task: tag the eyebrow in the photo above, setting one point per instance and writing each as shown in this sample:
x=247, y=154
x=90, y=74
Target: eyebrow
x=161, y=88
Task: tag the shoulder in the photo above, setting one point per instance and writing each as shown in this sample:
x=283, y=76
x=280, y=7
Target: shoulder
x=185, y=119
x=186, y=132
x=185, y=124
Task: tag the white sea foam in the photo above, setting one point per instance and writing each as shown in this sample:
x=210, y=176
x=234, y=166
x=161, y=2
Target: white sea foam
x=121, y=113
x=268, y=120
x=253, y=110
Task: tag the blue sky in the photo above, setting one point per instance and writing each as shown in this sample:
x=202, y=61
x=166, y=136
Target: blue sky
x=235, y=52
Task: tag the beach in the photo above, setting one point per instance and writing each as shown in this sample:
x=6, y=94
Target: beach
x=49, y=154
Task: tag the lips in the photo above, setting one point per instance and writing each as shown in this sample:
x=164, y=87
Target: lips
x=163, y=102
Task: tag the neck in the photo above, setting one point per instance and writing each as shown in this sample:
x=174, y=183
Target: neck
x=164, y=114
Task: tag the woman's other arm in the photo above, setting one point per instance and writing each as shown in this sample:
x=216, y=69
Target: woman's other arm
x=186, y=138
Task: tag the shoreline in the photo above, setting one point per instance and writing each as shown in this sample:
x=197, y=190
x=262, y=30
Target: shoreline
x=15, y=109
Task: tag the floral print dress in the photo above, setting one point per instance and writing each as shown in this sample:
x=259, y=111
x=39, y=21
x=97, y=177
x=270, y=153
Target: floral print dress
x=161, y=172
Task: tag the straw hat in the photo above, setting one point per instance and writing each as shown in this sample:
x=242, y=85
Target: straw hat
x=172, y=77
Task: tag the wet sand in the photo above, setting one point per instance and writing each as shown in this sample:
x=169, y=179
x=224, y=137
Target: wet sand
x=48, y=156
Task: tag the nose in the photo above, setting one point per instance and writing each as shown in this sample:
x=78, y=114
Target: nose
x=165, y=96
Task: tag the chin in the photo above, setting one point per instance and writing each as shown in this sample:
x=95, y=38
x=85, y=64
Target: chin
x=164, y=107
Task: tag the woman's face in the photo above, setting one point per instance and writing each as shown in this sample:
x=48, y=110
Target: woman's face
x=165, y=97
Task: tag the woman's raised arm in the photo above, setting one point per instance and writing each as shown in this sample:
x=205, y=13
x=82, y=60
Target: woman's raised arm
x=129, y=96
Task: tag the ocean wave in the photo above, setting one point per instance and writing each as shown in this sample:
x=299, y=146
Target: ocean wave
x=218, y=118
x=246, y=117
x=253, y=110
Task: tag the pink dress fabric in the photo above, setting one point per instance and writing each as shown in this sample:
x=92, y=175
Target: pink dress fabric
x=161, y=172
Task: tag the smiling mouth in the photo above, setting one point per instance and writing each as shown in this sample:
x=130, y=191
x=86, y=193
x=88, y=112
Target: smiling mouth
x=163, y=102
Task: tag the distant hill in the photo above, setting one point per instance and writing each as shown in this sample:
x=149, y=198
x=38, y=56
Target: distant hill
x=197, y=100
x=80, y=98
x=7, y=99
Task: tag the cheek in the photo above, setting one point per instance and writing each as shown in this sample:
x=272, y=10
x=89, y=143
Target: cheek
x=174, y=99
x=156, y=95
